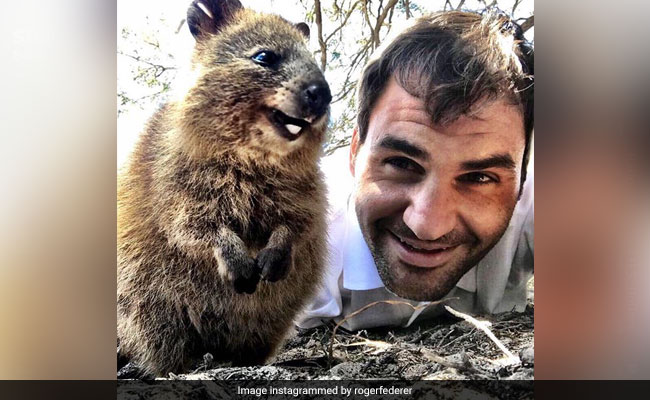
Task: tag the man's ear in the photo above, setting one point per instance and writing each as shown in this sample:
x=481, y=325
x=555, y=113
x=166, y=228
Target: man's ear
x=354, y=149
x=208, y=17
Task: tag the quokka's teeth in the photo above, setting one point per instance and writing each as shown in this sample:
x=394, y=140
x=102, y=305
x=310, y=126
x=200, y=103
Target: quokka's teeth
x=294, y=129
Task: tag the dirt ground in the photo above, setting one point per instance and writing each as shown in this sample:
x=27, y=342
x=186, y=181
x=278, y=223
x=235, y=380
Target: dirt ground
x=443, y=348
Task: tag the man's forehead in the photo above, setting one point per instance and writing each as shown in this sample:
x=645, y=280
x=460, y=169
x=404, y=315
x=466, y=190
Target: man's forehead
x=489, y=117
x=397, y=106
x=394, y=97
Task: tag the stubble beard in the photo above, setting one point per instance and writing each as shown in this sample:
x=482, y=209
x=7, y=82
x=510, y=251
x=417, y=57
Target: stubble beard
x=436, y=282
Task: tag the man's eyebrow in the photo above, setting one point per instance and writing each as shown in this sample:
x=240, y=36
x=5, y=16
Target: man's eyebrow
x=494, y=161
x=393, y=143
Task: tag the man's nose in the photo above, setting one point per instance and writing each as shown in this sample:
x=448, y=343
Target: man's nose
x=431, y=212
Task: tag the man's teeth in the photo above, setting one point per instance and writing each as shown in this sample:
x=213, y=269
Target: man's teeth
x=419, y=248
x=294, y=129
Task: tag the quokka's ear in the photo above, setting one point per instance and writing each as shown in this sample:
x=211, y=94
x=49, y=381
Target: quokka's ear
x=208, y=17
x=303, y=28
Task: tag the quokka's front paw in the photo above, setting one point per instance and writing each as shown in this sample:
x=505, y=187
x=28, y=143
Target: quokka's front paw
x=245, y=275
x=274, y=263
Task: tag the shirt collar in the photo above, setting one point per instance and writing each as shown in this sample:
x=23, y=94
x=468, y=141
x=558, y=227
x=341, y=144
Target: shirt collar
x=359, y=271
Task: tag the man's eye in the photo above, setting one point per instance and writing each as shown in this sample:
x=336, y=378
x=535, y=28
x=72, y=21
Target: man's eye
x=403, y=163
x=478, y=178
x=266, y=58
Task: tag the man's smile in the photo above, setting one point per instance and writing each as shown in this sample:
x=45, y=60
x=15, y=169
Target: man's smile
x=419, y=253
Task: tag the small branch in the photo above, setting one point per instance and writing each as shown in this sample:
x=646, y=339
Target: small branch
x=180, y=25
x=464, y=365
x=149, y=95
x=347, y=88
x=339, y=145
x=345, y=20
x=377, y=344
x=152, y=44
x=444, y=337
x=360, y=56
x=137, y=58
x=321, y=42
x=367, y=18
x=380, y=21
x=459, y=338
x=367, y=306
x=483, y=325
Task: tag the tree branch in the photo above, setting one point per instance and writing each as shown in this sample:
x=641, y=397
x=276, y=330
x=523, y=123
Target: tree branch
x=347, y=88
x=380, y=21
x=180, y=25
x=321, y=42
x=138, y=58
x=528, y=23
x=345, y=20
x=367, y=18
x=331, y=149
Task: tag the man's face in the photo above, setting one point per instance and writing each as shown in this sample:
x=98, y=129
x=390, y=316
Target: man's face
x=432, y=201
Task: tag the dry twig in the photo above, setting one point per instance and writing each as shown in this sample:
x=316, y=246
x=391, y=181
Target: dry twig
x=463, y=365
x=483, y=325
x=367, y=306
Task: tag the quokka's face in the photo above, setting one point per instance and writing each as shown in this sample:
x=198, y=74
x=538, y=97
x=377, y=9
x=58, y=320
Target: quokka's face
x=259, y=85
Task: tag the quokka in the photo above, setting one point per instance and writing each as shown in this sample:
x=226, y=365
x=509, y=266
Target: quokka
x=221, y=207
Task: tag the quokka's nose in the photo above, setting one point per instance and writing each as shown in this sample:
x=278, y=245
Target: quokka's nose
x=316, y=97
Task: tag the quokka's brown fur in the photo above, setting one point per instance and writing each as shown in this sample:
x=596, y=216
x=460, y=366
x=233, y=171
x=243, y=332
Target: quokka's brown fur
x=214, y=200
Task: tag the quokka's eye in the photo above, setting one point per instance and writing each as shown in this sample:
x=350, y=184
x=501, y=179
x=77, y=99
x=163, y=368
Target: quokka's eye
x=266, y=58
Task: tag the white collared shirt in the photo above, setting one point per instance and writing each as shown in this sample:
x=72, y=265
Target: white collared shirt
x=496, y=284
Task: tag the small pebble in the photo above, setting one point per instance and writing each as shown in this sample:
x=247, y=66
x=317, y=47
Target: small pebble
x=346, y=370
x=527, y=356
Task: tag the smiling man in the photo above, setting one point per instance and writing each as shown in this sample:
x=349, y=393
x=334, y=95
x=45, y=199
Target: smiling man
x=441, y=203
